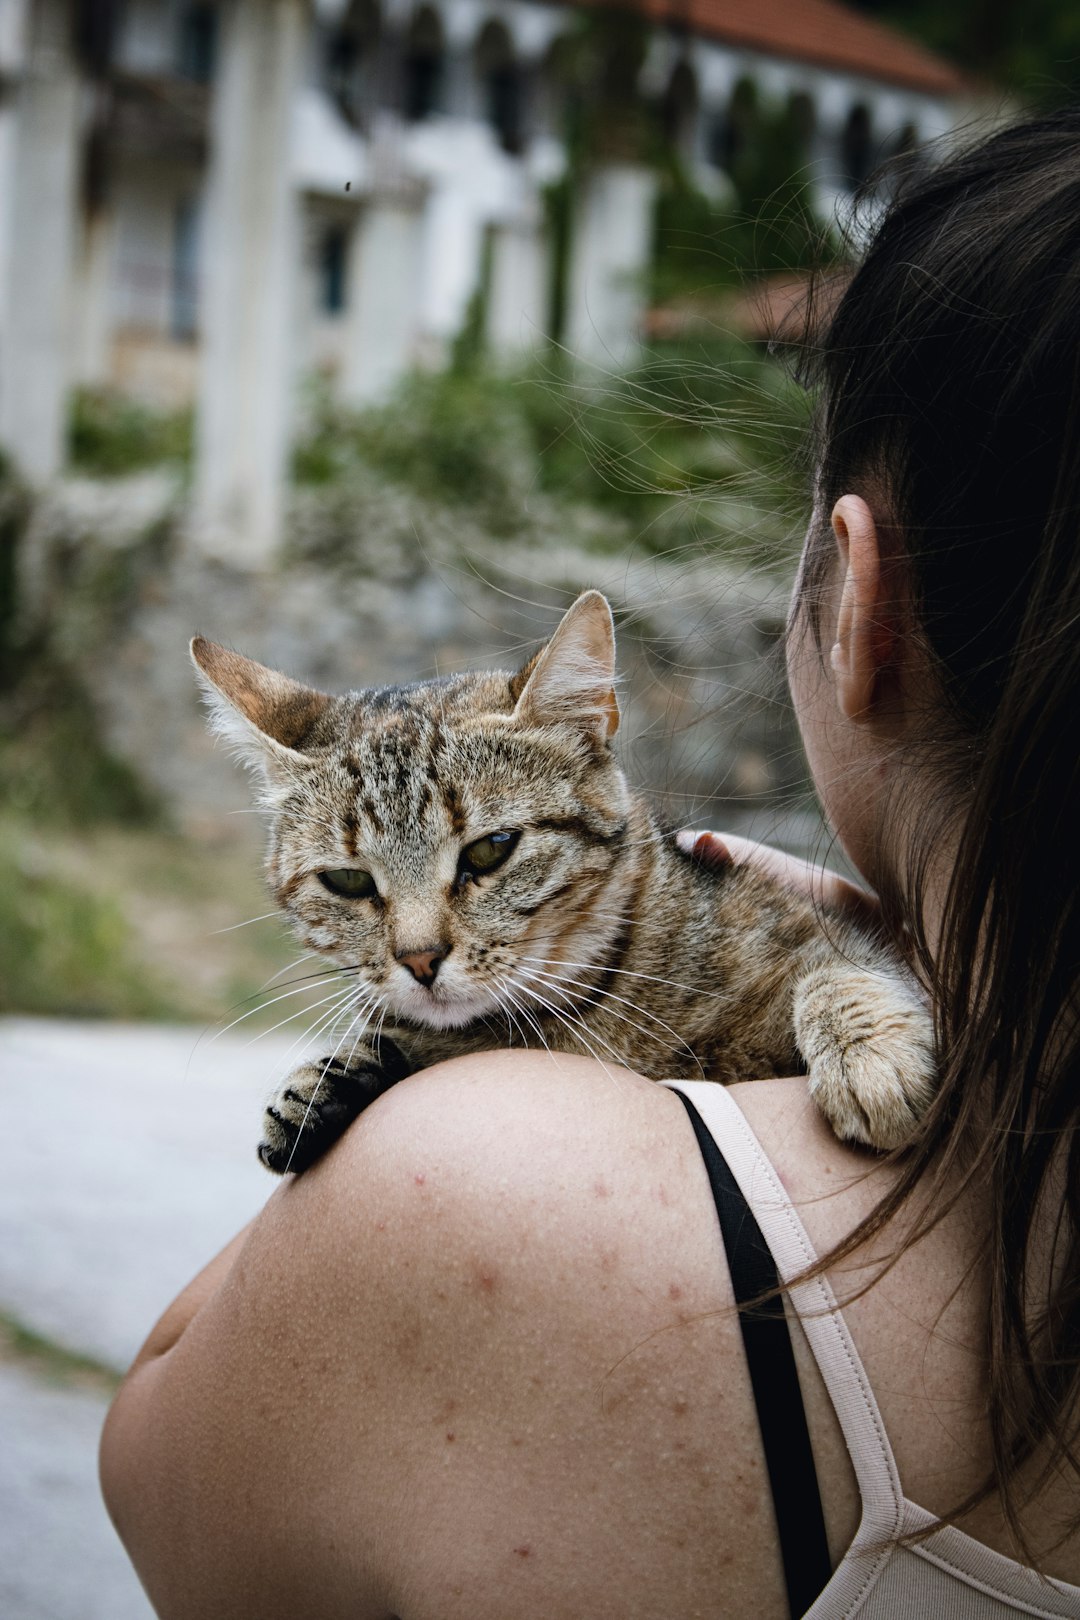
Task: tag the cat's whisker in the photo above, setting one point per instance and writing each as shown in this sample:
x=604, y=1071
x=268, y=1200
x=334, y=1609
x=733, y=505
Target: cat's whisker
x=337, y=996
x=509, y=1012
x=274, y=977
x=630, y=973
x=567, y=1016
x=365, y=1006
x=326, y=1064
x=567, y=986
x=308, y=1038
x=285, y=995
x=506, y=1009
x=368, y=1010
x=576, y=1031
x=609, y=995
x=580, y=1036
x=246, y=923
x=311, y=980
x=521, y=1008
x=378, y=1033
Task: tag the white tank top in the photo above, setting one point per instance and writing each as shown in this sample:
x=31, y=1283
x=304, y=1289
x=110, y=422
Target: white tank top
x=949, y=1575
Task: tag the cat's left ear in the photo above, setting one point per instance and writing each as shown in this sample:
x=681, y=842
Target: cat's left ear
x=573, y=678
x=265, y=716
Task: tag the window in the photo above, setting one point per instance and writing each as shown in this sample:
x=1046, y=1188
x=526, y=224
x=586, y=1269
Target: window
x=184, y=300
x=423, y=68
x=501, y=82
x=730, y=132
x=856, y=148
x=678, y=110
x=197, y=51
x=347, y=54
x=333, y=254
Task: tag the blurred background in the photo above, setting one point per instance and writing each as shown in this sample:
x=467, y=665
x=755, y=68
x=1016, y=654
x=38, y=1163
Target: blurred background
x=362, y=335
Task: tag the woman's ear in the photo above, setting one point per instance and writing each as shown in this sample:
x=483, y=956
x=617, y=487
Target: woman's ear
x=865, y=637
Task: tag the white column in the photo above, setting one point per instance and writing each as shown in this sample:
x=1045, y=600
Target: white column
x=611, y=248
x=13, y=34
x=382, y=320
x=8, y=122
x=451, y=255
x=41, y=204
x=520, y=288
x=250, y=269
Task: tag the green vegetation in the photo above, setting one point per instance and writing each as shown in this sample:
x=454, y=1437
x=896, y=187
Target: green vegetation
x=14, y=511
x=63, y=948
x=66, y=1369
x=104, y=910
x=54, y=768
x=452, y=436
x=110, y=436
x=132, y=921
x=704, y=247
x=1033, y=49
x=695, y=447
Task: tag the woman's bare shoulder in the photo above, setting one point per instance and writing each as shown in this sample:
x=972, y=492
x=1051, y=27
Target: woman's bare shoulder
x=816, y=1169
x=463, y=1358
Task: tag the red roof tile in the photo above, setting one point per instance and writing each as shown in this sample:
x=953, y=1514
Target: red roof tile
x=823, y=32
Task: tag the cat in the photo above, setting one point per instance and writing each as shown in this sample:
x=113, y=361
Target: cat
x=468, y=853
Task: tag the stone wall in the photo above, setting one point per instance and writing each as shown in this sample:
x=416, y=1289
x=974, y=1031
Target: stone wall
x=706, y=722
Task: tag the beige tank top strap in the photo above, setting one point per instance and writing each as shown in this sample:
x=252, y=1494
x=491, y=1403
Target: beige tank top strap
x=827, y=1335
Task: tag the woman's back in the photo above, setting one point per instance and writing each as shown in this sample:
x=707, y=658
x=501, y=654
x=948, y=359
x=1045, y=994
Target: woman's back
x=508, y=1377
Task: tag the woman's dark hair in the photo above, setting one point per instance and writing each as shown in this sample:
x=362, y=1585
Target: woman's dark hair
x=948, y=380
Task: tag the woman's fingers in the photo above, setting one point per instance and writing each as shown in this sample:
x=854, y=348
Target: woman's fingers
x=823, y=885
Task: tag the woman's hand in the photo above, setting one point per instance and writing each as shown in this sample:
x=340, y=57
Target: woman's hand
x=821, y=884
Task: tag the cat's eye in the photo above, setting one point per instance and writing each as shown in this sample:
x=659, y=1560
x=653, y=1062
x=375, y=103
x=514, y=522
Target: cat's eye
x=487, y=853
x=349, y=881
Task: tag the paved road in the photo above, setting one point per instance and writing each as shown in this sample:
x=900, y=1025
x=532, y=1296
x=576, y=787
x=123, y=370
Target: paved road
x=129, y=1161
x=59, y=1558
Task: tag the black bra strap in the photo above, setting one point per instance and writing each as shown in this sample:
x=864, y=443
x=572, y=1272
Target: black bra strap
x=771, y=1360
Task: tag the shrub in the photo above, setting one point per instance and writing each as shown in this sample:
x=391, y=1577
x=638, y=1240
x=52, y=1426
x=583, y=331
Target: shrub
x=109, y=436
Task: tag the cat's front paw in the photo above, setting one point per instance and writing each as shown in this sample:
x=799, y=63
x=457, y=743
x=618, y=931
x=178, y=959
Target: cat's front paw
x=311, y=1111
x=868, y=1044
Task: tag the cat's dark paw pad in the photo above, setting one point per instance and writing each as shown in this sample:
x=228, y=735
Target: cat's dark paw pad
x=313, y=1108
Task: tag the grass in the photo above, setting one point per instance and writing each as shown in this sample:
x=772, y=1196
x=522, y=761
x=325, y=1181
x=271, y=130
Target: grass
x=53, y=1363
x=65, y=950
x=132, y=922
x=105, y=910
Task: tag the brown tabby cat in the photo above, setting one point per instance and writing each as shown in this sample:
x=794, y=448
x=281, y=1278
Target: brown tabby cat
x=469, y=852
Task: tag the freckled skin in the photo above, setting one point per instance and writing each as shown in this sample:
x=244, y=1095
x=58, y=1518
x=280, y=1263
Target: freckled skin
x=593, y=933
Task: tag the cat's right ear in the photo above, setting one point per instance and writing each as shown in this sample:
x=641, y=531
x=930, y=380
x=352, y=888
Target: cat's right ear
x=264, y=716
x=572, y=679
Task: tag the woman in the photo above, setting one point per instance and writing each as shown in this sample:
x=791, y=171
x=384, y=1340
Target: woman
x=482, y=1360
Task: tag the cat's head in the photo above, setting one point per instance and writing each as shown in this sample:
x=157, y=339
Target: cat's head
x=448, y=841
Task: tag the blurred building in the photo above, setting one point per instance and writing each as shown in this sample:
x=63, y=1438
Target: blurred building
x=204, y=202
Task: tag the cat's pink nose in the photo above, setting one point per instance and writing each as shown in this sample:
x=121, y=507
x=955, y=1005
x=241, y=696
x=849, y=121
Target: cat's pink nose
x=423, y=965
